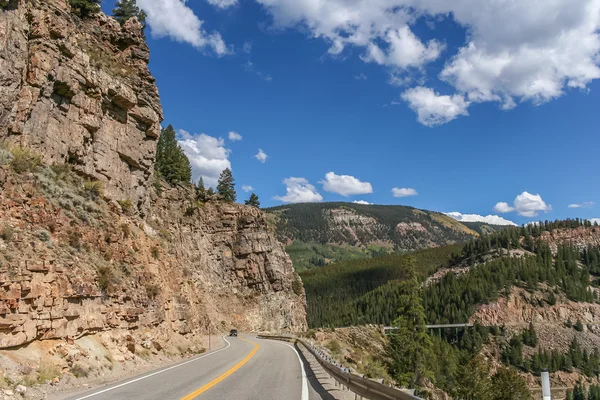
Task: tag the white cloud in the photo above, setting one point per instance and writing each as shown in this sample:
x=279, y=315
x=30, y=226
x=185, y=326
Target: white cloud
x=488, y=219
x=433, y=109
x=595, y=220
x=526, y=204
x=363, y=202
x=404, y=192
x=514, y=50
x=299, y=190
x=247, y=188
x=234, y=136
x=208, y=155
x=345, y=185
x=223, y=3
x=361, y=77
x=503, y=207
x=261, y=156
x=174, y=19
x=586, y=204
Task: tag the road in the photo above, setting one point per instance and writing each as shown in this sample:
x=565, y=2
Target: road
x=247, y=368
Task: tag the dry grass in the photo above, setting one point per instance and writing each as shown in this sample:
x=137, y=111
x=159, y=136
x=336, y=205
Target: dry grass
x=25, y=160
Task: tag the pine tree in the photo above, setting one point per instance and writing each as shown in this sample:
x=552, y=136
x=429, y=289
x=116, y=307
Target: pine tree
x=201, y=190
x=253, y=201
x=126, y=9
x=409, y=346
x=226, y=186
x=507, y=384
x=171, y=162
x=85, y=8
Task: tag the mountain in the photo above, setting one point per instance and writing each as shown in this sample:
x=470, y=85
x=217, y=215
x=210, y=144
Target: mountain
x=317, y=234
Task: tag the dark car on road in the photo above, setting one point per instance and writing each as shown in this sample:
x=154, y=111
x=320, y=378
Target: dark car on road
x=233, y=332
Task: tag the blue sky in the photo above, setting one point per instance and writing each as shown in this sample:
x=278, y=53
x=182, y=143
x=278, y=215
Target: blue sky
x=468, y=109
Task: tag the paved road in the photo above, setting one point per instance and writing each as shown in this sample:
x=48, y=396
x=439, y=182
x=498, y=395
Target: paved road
x=247, y=368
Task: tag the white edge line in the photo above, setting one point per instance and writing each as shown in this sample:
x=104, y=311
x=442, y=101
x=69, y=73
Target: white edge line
x=156, y=373
x=304, y=380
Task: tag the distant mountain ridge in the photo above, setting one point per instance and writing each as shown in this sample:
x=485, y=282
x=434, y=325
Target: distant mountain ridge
x=320, y=233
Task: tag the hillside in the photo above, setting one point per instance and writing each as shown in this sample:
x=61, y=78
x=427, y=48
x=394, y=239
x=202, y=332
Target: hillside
x=317, y=234
x=545, y=275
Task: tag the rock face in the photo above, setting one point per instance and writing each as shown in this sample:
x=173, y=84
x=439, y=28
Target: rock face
x=80, y=91
x=72, y=265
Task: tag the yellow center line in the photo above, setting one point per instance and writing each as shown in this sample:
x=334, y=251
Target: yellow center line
x=220, y=378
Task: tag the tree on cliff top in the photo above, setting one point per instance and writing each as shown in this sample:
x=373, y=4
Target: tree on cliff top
x=171, y=162
x=84, y=8
x=226, y=186
x=253, y=201
x=126, y=9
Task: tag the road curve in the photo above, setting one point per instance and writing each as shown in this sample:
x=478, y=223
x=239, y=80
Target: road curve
x=246, y=369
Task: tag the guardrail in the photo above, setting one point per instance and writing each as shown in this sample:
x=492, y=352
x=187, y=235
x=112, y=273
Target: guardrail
x=363, y=387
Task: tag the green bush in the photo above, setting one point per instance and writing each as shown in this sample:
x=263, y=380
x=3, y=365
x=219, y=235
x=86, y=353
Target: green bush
x=25, y=160
x=93, y=189
x=7, y=233
x=126, y=205
x=155, y=252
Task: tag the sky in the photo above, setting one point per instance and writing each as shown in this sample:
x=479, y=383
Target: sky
x=485, y=109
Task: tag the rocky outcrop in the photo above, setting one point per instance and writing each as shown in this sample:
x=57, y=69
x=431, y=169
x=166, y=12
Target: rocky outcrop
x=79, y=91
x=73, y=265
x=580, y=238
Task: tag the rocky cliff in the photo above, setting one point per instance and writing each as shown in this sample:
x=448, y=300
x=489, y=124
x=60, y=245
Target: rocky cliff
x=79, y=91
x=77, y=257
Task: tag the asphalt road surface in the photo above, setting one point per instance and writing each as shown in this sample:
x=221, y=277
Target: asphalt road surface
x=247, y=368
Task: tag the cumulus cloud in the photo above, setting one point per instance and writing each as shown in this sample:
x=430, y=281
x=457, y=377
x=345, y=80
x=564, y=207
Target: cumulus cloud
x=433, y=109
x=526, y=204
x=404, y=192
x=345, y=185
x=234, y=136
x=595, y=221
x=586, y=204
x=299, y=190
x=247, y=188
x=488, y=219
x=514, y=50
x=208, y=155
x=223, y=3
x=261, y=156
x=503, y=207
x=363, y=202
x=174, y=19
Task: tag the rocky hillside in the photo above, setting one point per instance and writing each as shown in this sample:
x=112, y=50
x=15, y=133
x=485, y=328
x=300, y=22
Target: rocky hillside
x=93, y=248
x=79, y=91
x=321, y=233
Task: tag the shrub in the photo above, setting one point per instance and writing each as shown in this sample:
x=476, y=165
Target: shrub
x=24, y=160
x=47, y=371
x=106, y=278
x=578, y=326
x=297, y=285
x=334, y=346
x=126, y=230
x=79, y=372
x=7, y=233
x=155, y=252
x=43, y=235
x=126, y=205
x=190, y=211
x=93, y=189
x=75, y=239
x=152, y=291
x=5, y=157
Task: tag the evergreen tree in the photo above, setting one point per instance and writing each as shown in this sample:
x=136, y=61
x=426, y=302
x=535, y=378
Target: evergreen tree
x=409, y=346
x=126, y=9
x=201, y=190
x=84, y=8
x=253, y=201
x=579, y=391
x=226, y=186
x=507, y=384
x=578, y=326
x=171, y=162
x=474, y=381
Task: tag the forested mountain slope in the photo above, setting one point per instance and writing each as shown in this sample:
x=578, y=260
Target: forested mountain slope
x=320, y=233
